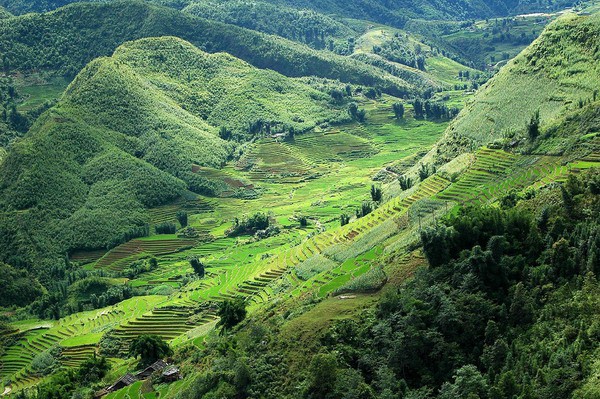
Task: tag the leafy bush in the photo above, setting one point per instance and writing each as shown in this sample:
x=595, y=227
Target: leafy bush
x=45, y=362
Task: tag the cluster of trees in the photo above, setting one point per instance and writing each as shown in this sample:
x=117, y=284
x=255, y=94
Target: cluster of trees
x=112, y=296
x=182, y=218
x=149, y=348
x=425, y=170
x=197, y=266
x=533, y=127
x=305, y=26
x=433, y=110
x=357, y=113
x=338, y=95
x=398, y=109
x=399, y=49
x=249, y=225
x=365, y=208
x=405, y=182
x=165, y=228
x=76, y=292
x=344, y=219
x=376, y=193
x=231, y=313
x=140, y=267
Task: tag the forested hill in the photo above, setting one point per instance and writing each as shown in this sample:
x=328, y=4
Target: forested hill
x=393, y=12
x=67, y=39
x=124, y=137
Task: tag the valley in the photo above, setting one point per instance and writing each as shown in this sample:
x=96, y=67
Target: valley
x=393, y=207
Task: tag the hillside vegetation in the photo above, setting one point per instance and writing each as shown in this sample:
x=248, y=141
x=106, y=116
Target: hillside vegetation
x=390, y=12
x=297, y=236
x=125, y=136
x=67, y=39
x=556, y=74
x=305, y=26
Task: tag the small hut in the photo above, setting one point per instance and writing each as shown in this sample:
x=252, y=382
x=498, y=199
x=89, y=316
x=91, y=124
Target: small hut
x=171, y=374
x=159, y=365
x=122, y=382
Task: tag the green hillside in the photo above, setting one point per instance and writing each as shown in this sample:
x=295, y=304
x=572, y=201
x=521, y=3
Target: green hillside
x=553, y=76
x=391, y=12
x=284, y=235
x=63, y=41
x=4, y=13
x=126, y=134
x=305, y=26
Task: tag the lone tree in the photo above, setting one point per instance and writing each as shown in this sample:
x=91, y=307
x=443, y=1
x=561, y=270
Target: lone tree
x=149, y=348
x=533, y=128
x=182, y=216
x=231, y=312
x=344, y=219
x=405, y=182
x=376, y=193
x=198, y=266
x=398, y=110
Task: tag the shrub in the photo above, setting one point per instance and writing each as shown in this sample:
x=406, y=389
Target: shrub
x=45, y=362
x=165, y=228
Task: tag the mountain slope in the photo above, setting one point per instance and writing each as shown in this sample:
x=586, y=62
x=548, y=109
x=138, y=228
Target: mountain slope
x=67, y=39
x=393, y=12
x=125, y=136
x=551, y=76
x=305, y=26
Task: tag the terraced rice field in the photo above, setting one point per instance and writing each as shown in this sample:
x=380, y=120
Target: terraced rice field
x=276, y=162
x=167, y=322
x=333, y=146
x=168, y=213
x=119, y=258
x=15, y=364
x=293, y=180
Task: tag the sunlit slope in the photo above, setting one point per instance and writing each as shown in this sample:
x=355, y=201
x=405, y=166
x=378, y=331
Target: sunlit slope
x=558, y=70
x=125, y=137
